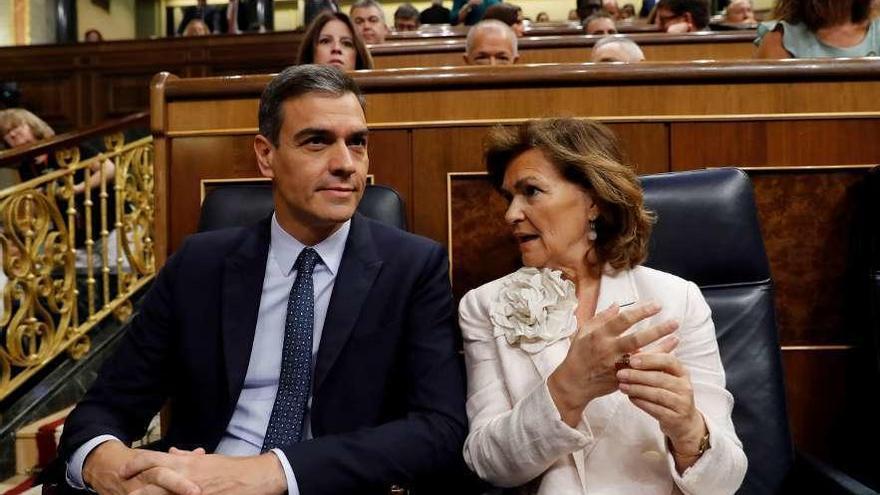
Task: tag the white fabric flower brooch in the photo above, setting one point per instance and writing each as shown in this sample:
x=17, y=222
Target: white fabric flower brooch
x=535, y=308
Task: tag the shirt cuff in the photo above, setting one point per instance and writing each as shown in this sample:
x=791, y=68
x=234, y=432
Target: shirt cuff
x=292, y=486
x=78, y=460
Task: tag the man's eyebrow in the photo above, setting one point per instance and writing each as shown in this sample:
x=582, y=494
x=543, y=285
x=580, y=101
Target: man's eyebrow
x=326, y=133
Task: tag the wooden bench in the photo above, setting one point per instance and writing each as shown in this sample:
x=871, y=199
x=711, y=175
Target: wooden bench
x=729, y=45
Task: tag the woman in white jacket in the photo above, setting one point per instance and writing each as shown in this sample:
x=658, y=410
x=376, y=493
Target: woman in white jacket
x=588, y=373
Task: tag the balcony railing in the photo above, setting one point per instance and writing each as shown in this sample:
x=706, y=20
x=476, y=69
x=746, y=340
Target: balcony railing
x=76, y=244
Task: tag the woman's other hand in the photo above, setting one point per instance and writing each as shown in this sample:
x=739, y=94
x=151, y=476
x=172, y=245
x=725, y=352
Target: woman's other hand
x=658, y=384
x=588, y=371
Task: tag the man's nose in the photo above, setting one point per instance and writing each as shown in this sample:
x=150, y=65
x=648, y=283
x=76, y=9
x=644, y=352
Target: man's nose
x=341, y=160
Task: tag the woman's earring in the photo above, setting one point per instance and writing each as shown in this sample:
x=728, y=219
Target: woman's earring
x=591, y=232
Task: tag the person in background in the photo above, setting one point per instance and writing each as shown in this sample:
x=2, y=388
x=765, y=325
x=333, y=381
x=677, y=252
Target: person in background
x=573, y=15
x=19, y=128
x=491, y=42
x=93, y=36
x=542, y=17
x=588, y=372
x=313, y=8
x=369, y=21
x=616, y=49
x=406, y=18
x=612, y=7
x=332, y=40
x=820, y=28
x=469, y=12
x=739, y=12
x=682, y=16
x=214, y=18
x=628, y=11
x=509, y=14
x=586, y=8
x=600, y=23
x=435, y=14
x=196, y=27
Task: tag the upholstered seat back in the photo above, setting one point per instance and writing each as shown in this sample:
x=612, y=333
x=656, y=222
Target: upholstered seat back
x=707, y=231
x=243, y=204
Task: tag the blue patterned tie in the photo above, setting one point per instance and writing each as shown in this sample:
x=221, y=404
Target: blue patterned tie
x=294, y=383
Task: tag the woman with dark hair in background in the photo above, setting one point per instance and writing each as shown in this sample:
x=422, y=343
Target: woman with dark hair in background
x=331, y=39
x=820, y=28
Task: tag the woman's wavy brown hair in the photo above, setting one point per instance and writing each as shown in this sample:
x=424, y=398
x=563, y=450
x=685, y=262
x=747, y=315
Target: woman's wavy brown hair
x=588, y=154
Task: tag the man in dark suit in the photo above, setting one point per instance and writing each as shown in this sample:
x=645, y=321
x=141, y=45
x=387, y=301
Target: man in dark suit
x=312, y=353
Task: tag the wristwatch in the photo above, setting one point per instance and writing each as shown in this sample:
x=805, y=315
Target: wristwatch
x=703, y=447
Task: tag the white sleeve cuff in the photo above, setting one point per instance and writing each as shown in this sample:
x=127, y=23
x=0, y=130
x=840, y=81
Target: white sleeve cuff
x=78, y=459
x=292, y=486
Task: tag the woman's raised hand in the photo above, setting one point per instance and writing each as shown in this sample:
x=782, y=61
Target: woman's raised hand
x=589, y=371
x=658, y=384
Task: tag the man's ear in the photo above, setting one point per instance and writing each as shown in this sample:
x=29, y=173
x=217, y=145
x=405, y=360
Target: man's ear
x=464, y=57
x=516, y=58
x=265, y=151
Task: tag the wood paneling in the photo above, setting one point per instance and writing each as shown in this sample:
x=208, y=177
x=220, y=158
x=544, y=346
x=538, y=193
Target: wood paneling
x=755, y=143
x=110, y=79
x=807, y=220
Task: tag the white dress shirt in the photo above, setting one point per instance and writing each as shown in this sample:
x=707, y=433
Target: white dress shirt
x=245, y=432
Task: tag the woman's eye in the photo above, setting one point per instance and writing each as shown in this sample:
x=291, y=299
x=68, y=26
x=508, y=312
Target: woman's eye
x=348, y=43
x=531, y=191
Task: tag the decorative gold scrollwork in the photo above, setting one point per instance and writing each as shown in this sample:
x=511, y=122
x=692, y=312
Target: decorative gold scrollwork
x=52, y=254
x=38, y=296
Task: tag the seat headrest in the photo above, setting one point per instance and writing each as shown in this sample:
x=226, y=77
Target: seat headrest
x=706, y=222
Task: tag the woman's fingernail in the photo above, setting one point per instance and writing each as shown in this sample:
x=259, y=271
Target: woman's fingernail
x=624, y=387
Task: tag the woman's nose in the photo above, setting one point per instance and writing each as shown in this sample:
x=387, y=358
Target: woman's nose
x=513, y=215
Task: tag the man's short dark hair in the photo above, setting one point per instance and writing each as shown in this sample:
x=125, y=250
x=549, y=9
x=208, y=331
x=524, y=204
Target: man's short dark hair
x=297, y=81
x=699, y=10
x=406, y=11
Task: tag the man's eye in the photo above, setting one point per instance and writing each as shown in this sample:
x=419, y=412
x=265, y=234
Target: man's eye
x=359, y=142
x=315, y=141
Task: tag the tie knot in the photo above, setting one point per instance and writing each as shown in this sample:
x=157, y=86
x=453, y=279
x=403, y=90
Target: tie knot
x=306, y=261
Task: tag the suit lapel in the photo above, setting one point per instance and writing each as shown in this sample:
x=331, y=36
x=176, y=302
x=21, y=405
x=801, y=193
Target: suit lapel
x=243, y=276
x=357, y=272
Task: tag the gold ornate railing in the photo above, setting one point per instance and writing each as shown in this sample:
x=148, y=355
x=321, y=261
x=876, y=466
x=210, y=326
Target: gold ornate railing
x=77, y=244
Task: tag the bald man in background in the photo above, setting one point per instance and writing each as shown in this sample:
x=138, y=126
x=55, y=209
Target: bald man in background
x=491, y=42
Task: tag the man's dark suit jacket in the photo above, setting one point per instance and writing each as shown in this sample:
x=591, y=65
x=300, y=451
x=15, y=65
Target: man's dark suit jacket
x=388, y=388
